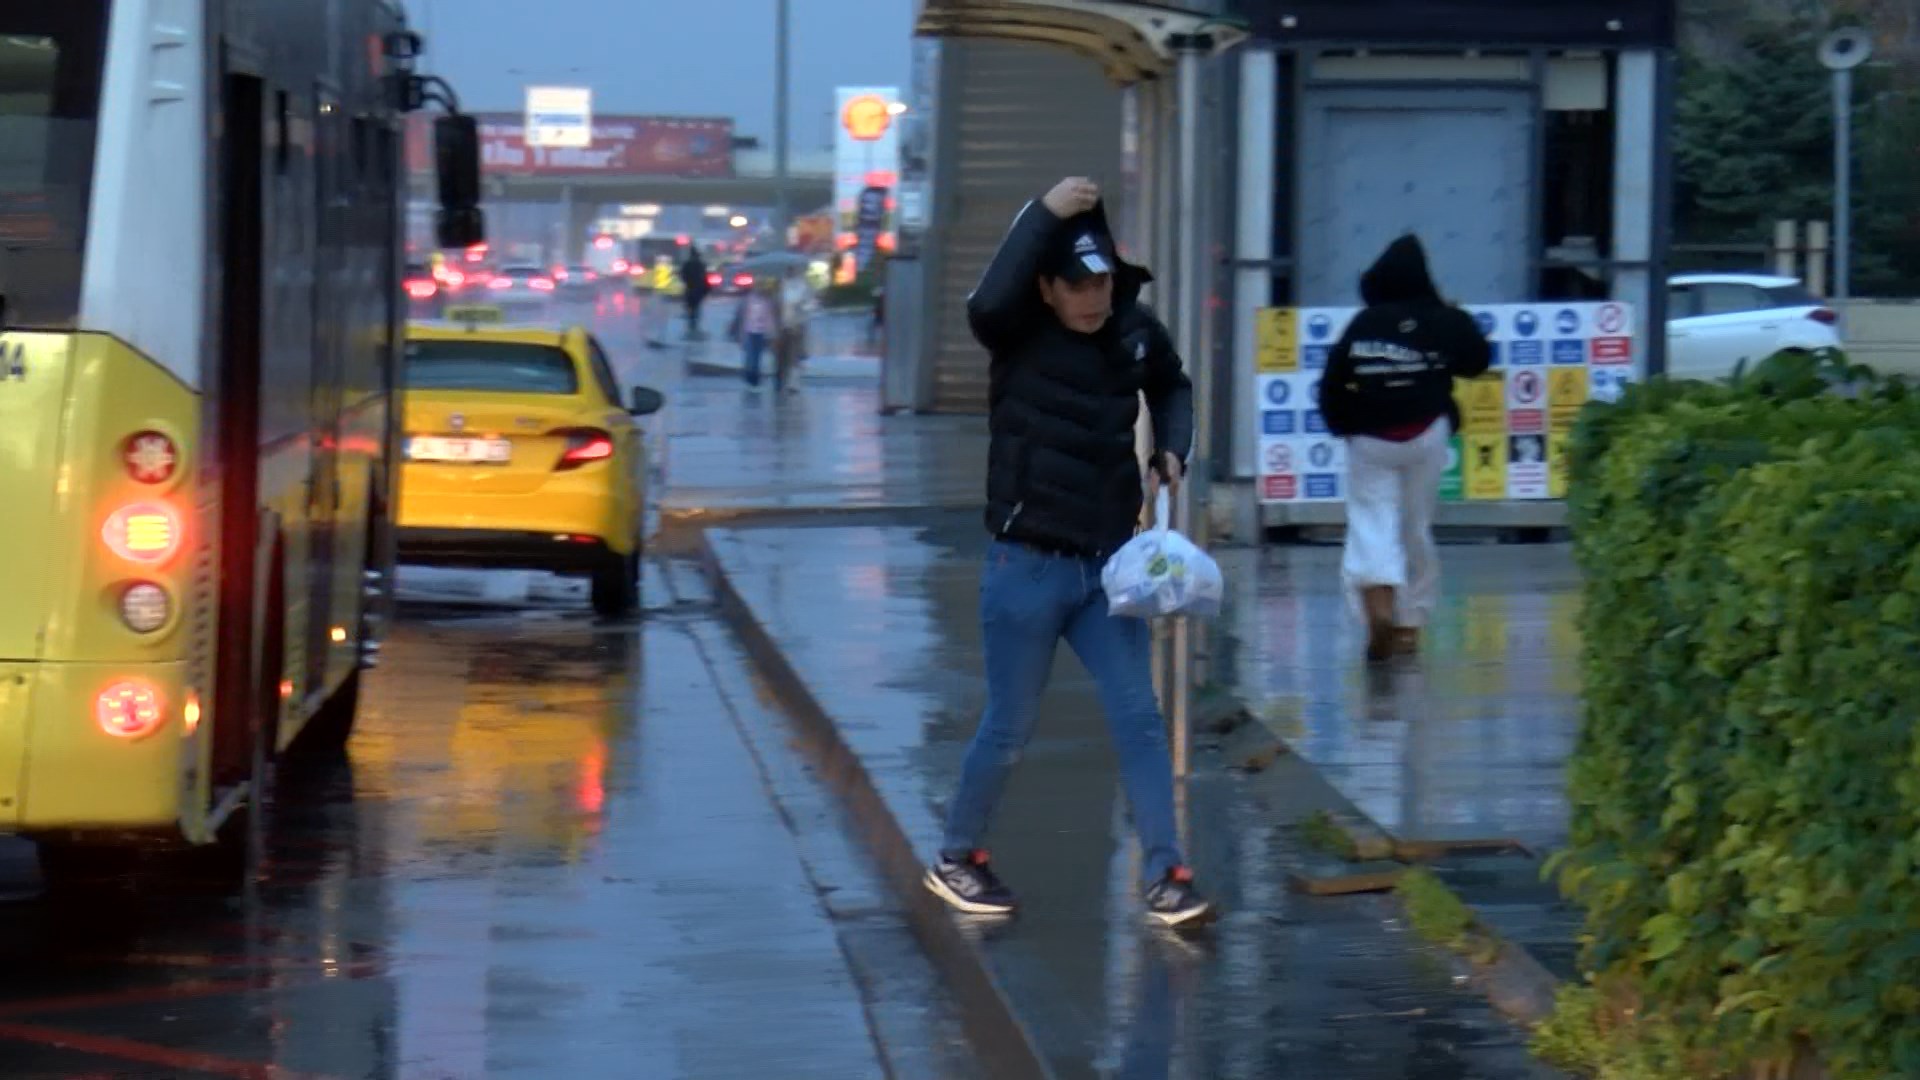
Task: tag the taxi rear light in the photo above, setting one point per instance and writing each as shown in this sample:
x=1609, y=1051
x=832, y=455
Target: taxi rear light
x=584, y=445
x=143, y=533
x=129, y=709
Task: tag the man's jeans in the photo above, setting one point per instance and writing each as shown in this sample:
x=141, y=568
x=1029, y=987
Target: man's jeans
x=1029, y=600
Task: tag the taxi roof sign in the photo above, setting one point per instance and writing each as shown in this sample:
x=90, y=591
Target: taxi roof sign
x=474, y=314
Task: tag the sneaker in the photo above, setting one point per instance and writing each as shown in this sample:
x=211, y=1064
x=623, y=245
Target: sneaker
x=1173, y=901
x=968, y=884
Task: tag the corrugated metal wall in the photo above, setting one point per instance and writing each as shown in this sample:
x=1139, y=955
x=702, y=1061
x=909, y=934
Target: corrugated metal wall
x=1014, y=118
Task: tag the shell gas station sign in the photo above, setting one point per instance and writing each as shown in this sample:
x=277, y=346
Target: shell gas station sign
x=866, y=173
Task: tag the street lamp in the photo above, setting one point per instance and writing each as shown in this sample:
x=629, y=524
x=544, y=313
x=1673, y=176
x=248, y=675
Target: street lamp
x=1841, y=52
x=738, y=221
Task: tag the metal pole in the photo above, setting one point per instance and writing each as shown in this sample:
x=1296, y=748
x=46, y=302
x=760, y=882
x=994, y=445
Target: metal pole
x=1190, y=291
x=1842, y=191
x=781, y=45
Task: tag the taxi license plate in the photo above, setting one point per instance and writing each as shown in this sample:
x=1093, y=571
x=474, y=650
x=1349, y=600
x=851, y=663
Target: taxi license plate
x=477, y=451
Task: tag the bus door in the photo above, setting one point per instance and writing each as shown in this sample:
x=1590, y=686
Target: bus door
x=329, y=318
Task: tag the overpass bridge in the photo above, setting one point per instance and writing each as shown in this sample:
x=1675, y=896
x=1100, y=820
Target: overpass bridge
x=809, y=184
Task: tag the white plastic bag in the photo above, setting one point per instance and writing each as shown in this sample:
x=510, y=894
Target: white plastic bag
x=1160, y=572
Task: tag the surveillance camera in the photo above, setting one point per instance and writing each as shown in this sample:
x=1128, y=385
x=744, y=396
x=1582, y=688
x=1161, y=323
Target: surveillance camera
x=1846, y=49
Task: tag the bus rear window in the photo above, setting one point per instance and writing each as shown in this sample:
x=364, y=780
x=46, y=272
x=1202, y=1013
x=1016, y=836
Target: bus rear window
x=494, y=367
x=51, y=57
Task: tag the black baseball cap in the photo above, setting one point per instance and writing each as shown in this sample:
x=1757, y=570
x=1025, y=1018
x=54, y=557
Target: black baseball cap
x=1084, y=248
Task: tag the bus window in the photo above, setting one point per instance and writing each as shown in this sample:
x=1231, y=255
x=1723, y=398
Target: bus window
x=50, y=65
x=502, y=367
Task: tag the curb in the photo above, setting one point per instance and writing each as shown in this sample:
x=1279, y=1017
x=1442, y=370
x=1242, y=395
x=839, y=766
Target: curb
x=998, y=1035
x=1512, y=980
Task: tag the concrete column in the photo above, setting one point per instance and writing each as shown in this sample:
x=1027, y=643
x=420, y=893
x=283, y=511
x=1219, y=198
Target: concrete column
x=1253, y=241
x=1639, y=200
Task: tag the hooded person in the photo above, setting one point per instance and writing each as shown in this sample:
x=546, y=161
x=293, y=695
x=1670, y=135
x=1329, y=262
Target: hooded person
x=1388, y=391
x=1072, y=351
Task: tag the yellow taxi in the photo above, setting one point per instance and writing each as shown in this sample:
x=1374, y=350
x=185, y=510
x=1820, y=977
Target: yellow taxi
x=520, y=451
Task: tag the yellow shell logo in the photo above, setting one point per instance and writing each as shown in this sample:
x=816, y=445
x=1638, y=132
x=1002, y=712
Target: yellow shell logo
x=866, y=117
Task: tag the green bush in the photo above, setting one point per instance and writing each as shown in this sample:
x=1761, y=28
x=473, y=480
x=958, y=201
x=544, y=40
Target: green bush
x=1745, y=788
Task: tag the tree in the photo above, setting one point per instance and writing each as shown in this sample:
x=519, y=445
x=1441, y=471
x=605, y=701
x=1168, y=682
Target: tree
x=1754, y=144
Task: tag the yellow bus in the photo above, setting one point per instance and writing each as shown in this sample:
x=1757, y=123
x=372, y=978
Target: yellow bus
x=200, y=252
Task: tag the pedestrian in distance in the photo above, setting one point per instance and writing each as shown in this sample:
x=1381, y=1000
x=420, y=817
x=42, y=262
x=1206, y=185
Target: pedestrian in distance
x=693, y=278
x=796, y=308
x=756, y=325
x=1388, y=391
x=1071, y=351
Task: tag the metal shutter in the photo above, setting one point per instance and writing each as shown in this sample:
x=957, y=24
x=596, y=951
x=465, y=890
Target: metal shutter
x=1015, y=118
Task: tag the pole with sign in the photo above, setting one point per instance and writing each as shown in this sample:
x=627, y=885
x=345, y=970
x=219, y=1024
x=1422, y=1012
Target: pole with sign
x=559, y=117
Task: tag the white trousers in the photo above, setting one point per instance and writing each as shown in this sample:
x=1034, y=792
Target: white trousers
x=1393, y=489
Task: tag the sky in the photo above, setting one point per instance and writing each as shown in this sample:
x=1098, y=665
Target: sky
x=668, y=57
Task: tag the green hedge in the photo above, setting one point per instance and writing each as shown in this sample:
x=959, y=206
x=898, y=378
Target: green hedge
x=1746, y=786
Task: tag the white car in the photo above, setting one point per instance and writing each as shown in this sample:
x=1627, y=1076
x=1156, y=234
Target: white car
x=1714, y=321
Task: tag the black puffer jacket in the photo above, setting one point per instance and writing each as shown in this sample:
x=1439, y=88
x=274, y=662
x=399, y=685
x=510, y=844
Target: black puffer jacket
x=1394, y=367
x=1061, y=471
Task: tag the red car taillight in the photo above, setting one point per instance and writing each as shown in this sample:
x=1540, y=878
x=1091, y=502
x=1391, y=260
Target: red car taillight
x=744, y=281
x=541, y=284
x=584, y=445
x=1825, y=316
x=713, y=279
x=500, y=283
x=422, y=290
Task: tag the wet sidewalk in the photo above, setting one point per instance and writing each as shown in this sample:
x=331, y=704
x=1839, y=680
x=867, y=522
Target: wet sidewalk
x=879, y=624
x=1467, y=742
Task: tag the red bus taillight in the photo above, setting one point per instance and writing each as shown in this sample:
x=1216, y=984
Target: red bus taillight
x=584, y=445
x=129, y=709
x=150, y=457
x=147, y=533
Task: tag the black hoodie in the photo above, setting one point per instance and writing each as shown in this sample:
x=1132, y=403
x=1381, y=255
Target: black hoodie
x=1061, y=469
x=1393, y=370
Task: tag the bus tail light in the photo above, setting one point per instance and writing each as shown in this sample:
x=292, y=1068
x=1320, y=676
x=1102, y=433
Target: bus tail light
x=150, y=457
x=145, y=607
x=128, y=709
x=584, y=445
x=143, y=533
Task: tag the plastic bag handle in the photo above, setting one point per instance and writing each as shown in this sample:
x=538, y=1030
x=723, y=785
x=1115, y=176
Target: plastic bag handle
x=1161, y=514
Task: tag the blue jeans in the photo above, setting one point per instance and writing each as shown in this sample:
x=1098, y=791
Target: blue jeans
x=753, y=347
x=1029, y=600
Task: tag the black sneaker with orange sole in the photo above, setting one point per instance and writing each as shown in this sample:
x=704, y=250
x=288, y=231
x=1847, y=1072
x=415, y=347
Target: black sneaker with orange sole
x=967, y=883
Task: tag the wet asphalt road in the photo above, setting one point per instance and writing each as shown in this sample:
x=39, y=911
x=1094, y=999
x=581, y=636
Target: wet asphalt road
x=560, y=847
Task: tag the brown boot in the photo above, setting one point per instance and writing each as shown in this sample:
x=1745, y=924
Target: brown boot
x=1377, y=600
x=1406, y=641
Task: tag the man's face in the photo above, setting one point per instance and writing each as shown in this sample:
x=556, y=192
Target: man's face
x=1082, y=306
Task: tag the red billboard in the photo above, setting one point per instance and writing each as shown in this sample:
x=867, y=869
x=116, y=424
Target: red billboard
x=622, y=146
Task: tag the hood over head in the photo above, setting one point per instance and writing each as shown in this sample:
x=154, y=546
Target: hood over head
x=1084, y=245
x=1400, y=275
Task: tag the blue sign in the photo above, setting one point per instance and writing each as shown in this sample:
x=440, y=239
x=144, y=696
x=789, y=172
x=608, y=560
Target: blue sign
x=1316, y=424
x=1278, y=421
x=1316, y=356
x=1526, y=323
x=1569, y=352
x=1319, y=327
x=1323, y=485
x=1498, y=357
x=1278, y=392
x=1313, y=390
x=1321, y=455
x=1567, y=321
x=1486, y=322
x=1528, y=352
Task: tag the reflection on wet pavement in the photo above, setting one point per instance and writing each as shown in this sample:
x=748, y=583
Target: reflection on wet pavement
x=1469, y=741
x=551, y=855
x=880, y=622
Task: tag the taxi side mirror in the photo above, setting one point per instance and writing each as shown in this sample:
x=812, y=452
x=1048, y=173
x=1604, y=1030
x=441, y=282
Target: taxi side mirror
x=647, y=401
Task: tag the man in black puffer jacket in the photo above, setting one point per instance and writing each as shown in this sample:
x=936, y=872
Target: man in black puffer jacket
x=1388, y=390
x=1072, y=350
